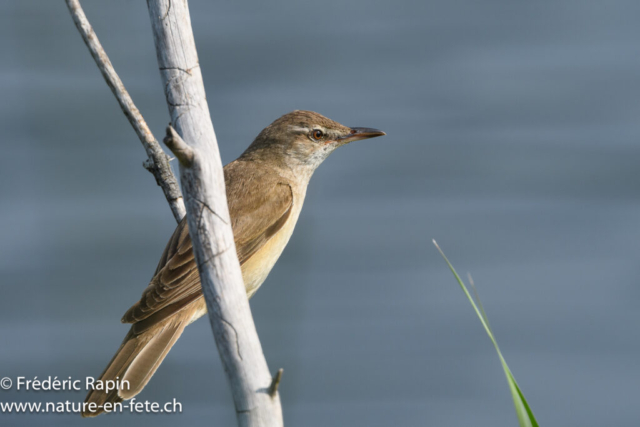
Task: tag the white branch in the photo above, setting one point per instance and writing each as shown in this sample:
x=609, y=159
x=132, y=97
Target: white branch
x=208, y=215
x=158, y=161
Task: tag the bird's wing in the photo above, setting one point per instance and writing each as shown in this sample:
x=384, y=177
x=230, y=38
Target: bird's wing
x=259, y=206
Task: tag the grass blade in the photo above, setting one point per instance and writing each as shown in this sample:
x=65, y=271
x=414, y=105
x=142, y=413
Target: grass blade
x=523, y=410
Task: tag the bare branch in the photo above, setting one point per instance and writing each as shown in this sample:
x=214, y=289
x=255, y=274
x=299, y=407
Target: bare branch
x=158, y=162
x=208, y=215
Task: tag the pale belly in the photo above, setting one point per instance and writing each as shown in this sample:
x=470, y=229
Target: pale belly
x=256, y=269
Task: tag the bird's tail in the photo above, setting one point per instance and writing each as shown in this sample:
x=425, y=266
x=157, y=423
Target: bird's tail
x=134, y=364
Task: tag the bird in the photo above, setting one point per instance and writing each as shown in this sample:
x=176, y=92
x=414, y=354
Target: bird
x=266, y=188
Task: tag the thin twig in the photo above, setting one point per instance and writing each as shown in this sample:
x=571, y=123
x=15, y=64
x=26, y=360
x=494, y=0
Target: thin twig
x=158, y=162
x=178, y=147
x=275, y=383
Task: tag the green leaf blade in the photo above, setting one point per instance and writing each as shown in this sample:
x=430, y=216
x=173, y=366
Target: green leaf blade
x=523, y=410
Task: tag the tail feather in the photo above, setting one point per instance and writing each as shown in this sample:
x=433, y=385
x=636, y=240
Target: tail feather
x=149, y=358
x=135, y=362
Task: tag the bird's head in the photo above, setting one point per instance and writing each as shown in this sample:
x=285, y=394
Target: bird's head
x=301, y=140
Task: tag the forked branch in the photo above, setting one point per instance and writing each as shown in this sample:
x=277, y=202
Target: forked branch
x=193, y=142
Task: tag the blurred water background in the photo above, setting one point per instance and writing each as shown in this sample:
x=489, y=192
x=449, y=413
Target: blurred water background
x=513, y=139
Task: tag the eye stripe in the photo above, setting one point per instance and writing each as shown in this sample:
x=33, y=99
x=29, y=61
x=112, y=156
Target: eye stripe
x=299, y=129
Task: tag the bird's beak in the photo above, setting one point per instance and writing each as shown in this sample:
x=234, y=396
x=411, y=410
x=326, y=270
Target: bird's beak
x=357, y=134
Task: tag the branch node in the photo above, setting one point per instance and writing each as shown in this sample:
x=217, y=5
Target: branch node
x=149, y=165
x=178, y=147
x=275, y=383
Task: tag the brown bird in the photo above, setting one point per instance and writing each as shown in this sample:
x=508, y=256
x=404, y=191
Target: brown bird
x=265, y=187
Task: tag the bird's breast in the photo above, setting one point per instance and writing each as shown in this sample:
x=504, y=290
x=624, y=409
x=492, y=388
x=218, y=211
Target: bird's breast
x=256, y=269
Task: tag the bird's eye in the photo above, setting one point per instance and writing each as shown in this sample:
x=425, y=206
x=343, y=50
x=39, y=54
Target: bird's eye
x=317, y=134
